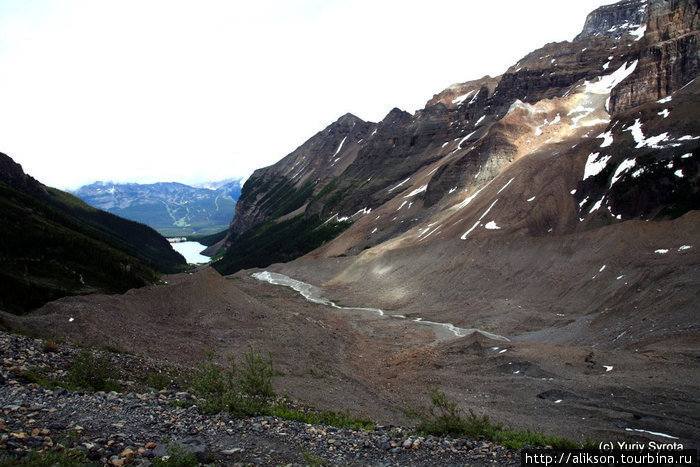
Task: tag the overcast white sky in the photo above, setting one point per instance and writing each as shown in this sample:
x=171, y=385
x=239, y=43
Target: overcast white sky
x=189, y=91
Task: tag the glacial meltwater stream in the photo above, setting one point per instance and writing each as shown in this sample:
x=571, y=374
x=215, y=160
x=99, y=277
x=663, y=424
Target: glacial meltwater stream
x=312, y=294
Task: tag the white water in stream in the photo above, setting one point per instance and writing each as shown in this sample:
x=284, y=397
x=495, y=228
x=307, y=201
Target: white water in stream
x=312, y=294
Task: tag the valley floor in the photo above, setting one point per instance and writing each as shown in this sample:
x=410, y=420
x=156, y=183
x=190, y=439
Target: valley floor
x=375, y=365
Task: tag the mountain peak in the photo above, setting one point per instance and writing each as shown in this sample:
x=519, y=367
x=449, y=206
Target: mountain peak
x=349, y=119
x=9, y=169
x=397, y=115
x=616, y=20
x=13, y=175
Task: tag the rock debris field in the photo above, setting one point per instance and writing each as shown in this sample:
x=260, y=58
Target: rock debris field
x=142, y=427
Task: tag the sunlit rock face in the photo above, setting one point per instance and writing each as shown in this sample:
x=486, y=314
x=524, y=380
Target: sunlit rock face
x=669, y=57
x=616, y=20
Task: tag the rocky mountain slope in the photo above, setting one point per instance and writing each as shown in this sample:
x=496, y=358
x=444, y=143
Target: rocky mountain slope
x=556, y=204
x=612, y=104
x=544, y=172
x=173, y=209
x=55, y=245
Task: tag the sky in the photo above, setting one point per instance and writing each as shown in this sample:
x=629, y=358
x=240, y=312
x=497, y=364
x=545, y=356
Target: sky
x=193, y=91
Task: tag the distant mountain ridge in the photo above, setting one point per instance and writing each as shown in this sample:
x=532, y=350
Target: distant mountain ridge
x=54, y=245
x=173, y=209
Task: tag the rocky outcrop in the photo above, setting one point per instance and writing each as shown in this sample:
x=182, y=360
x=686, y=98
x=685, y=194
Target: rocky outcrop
x=616, y=20
x=670, y=57
x=649, y=168
x=551, y=71
x=12, y=174
x=459, y=93
x=398, y=148
x=10, y=170
x=476, y=167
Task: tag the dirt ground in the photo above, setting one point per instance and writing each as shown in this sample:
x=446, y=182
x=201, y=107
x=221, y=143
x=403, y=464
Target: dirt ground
x=374, y=365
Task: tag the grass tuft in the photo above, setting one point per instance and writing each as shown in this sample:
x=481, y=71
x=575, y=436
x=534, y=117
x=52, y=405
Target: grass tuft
x=310, y=459
x=50, y=346
x=325, y=417
x=158, y=380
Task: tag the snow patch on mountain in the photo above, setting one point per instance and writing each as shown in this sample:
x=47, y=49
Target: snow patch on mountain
x=462, y=98
x=605, y=84
x=399, y=185
x=464, y=236
x=607, y=139
x=594, y=164
x=505, y=186
x=417, y=191
x=623, y=167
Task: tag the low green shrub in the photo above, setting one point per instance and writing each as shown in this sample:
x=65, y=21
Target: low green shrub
x=93, y=373
x=177, y=457
x=51, y=458
x=158, y=380
x=310, y=459
x=255, y=375
x=241, y=389
x=245, y=389
x=444, y=418
x=325, y=417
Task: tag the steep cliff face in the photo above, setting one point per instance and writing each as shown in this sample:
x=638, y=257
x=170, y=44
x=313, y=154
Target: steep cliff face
x=616, y=20
x=412, y=170
x=669, y=57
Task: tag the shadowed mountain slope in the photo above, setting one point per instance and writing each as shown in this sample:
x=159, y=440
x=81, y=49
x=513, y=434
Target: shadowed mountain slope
x=55, y=245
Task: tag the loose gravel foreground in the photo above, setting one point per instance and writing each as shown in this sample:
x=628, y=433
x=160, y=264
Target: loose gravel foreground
x=142, y=426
